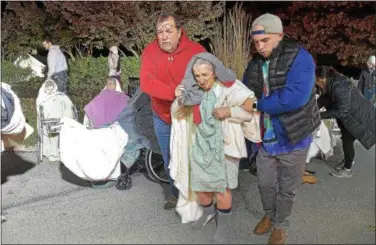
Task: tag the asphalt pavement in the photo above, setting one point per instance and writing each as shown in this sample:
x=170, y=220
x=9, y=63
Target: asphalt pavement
x=47, y=204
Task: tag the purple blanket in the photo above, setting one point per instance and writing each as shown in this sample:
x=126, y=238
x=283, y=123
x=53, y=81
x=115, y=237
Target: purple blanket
x=106, y=107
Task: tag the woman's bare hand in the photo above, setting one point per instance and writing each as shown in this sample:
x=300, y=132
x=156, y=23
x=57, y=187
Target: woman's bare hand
x=222, y=113
x=179, y=91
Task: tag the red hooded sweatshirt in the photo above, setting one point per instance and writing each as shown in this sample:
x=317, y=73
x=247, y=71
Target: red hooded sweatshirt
x=162, y=72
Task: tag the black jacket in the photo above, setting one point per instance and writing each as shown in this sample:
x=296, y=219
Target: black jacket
x=298, y=123
x=344, y=102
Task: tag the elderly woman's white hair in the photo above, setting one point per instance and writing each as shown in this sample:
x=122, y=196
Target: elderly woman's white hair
x=200, y=61
x=50, y=86
x=114, y=49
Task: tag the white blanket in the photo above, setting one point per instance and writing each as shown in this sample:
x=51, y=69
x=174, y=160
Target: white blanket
x=238, y=126
x=323, y=143
x=182, y=135
x=18, y=121
x=92, y=154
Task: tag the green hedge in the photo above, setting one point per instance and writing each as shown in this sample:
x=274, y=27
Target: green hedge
x=87, y=76
x=17, y=78
x=12, y=74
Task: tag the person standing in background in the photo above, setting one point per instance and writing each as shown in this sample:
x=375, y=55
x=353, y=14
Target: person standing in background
x=57, y=65
x=355, y=116
x=114, y=64
x=367, y=80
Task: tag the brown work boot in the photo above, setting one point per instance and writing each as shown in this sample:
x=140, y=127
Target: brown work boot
x=170, y=204
x=309, y=179
x=263, y=226
x=278, y=236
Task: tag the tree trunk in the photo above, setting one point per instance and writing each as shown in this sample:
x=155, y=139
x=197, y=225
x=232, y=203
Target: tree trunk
x=71, y=55
x=78, y=51
x=131, y=50
x=121, y=51
x=69, y=52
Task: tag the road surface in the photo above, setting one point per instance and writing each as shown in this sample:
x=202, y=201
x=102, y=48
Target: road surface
x=45, y=204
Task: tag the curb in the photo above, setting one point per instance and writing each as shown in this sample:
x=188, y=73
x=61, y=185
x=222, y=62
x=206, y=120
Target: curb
x=23, y=148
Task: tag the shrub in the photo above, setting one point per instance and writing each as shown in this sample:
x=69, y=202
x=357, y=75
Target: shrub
x=29, y=109
x=12, y=74
x=232, y=42
x=87, y=76
x=29, y=88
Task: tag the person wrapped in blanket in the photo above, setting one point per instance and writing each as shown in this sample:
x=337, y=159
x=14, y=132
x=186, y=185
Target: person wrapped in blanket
x=52, y=104
x=211, y=117
x=104, y=109
x=106, y=106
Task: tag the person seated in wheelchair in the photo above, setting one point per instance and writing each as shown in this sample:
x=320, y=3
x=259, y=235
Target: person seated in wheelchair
x=106, y=106
x=52, y=105
x=121, y=140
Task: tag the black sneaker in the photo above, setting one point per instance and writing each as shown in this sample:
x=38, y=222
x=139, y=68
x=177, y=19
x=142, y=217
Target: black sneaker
x=253, y=169
x=170, y=204
x=244, y=164
x=341, y=165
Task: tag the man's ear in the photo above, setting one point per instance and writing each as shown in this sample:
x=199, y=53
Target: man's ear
x=281, y=35
x=180, y=31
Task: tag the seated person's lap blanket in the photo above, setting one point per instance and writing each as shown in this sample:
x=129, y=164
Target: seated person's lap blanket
x=92, y=154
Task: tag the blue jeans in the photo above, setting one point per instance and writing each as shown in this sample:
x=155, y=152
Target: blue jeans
x=61, y=80
x=163, y=132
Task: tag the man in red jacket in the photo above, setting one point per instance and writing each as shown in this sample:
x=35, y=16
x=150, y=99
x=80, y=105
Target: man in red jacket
x=163, y=64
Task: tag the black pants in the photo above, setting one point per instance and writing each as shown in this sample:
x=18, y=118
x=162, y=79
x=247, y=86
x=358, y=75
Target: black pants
x=347, y=145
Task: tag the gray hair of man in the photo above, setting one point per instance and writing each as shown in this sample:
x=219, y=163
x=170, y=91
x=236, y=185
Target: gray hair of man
x=200, y=61
x=165, y=16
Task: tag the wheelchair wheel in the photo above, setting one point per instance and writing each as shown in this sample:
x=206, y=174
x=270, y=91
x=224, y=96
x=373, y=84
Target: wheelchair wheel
x=155, y=166
x=124, y=182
